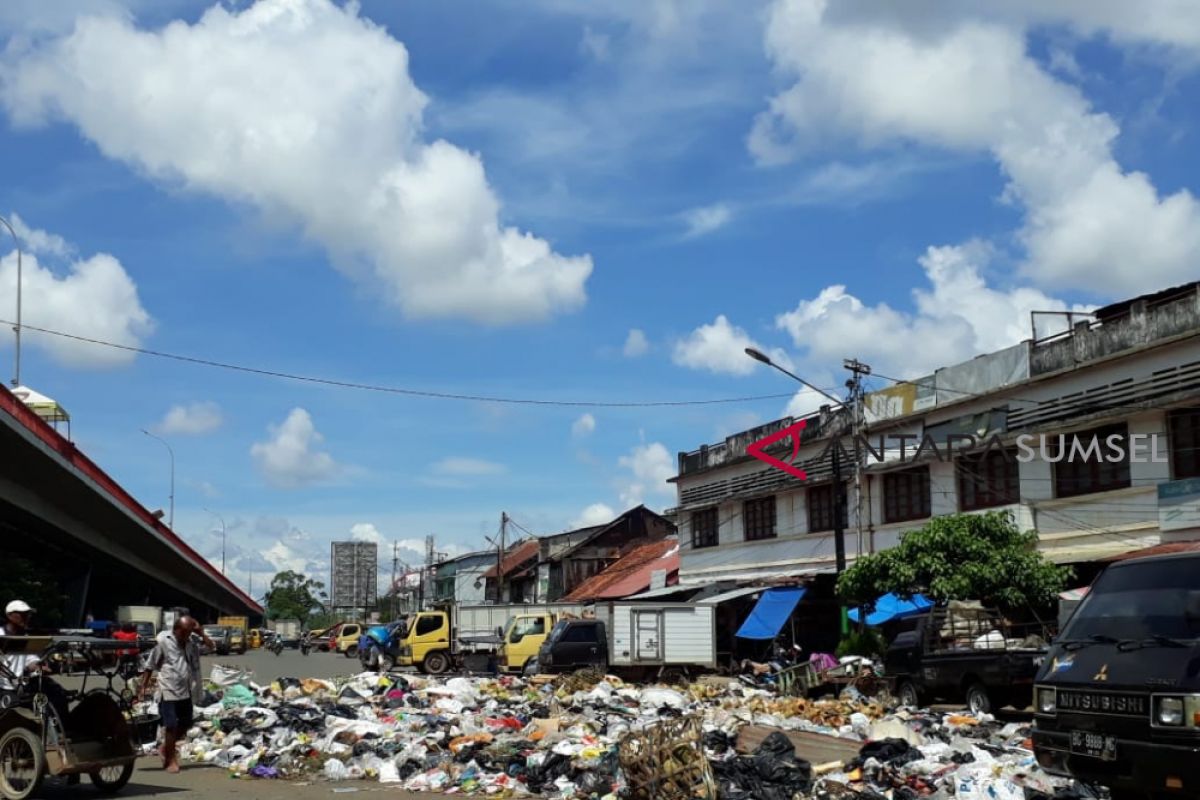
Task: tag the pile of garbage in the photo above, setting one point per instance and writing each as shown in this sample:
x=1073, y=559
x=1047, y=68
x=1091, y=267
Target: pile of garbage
x=572, y=737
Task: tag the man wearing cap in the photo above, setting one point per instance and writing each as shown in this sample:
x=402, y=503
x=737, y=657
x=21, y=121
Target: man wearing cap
x=176, y=658
x=16, y=623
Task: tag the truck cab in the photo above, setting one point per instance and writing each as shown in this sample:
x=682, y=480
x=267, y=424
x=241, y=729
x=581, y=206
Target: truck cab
x=427, y=643
x=522, y=638
x=574, y=644
x=1118, y=700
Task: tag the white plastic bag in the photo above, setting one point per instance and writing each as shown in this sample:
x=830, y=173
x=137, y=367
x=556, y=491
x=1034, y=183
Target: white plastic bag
x=225, y=677
x=336, y=770
x=657, y=697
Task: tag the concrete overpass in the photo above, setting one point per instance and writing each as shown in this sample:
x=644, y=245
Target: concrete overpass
x=59, y=510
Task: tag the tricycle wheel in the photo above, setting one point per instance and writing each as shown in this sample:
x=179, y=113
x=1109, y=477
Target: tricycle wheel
x=22, y=764
x=907, y=695
x=110, y=780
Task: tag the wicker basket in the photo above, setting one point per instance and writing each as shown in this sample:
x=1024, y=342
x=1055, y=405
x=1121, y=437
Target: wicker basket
x=667, y=762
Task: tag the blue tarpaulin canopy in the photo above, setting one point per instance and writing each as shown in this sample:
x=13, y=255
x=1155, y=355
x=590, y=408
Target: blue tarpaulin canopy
x=890, y=607
x=770, y=612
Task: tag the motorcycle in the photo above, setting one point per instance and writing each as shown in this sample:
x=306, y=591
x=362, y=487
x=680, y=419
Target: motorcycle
x=305, y=646
x=276, y=646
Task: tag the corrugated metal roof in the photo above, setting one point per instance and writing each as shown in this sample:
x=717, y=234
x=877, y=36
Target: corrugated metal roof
x=732, y=594
x=516, y=557
x=631, y=573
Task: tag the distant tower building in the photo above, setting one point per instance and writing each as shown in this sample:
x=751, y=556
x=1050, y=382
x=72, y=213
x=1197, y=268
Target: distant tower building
x=354, y=575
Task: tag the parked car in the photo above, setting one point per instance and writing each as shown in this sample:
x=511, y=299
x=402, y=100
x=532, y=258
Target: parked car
x=220, y=637
x=966, y=653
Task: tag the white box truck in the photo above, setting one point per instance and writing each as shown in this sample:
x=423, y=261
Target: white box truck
x=635, y=640
x=147, y=619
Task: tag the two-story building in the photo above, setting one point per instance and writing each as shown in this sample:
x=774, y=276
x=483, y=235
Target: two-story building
x=1128, y=376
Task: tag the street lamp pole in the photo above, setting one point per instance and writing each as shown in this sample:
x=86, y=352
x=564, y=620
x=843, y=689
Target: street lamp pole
x=171, y=523
x=218, y=516
x=16, y=381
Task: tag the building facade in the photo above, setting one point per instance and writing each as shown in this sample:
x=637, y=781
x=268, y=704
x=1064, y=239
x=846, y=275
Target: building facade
x=1034, y=414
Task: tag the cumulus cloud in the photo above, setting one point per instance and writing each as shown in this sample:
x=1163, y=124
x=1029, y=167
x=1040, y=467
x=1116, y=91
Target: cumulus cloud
x=595, y=514
x=93, y=297
x=968, y=83
x=583, y=426
x=191, y=420
x=635, y=344
x=38, y=241
x=306, y=111
x=706, y=219
x=290, y=458
x=721, y=347
x=958, y=316
x=648, y=467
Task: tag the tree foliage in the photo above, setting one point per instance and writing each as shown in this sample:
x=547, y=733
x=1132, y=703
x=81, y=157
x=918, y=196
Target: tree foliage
x=960, y=557
x=294, y=596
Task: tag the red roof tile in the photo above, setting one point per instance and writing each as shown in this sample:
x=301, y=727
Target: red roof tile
x=516, y=557
x=631, y=573
x=1159, y=550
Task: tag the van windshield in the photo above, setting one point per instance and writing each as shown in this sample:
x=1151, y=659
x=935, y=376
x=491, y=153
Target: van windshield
x=1139, y=602
x=557, y=631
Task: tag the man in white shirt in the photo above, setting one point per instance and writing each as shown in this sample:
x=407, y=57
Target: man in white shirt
x=22, y=665
x=176, y=658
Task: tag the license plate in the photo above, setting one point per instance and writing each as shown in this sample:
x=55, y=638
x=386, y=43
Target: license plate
x=1094, y=745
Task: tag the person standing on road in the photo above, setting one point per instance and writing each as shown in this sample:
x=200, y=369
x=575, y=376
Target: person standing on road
x=176, y=658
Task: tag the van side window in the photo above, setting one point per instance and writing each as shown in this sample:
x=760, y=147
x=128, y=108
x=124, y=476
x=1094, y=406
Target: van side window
x=580, y=633
x=428, y=624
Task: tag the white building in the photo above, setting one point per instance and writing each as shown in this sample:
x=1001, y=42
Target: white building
x=1131, y=372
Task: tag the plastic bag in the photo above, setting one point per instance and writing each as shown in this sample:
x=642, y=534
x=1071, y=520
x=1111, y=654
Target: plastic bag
x=225, y=677
x=656, y=697
x=335, y=770
x=238, y=695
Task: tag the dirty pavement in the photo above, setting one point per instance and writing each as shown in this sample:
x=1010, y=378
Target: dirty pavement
x=593, y=736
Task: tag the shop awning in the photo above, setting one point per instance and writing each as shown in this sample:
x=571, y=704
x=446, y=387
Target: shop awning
x=770, y=613
x=890, y=607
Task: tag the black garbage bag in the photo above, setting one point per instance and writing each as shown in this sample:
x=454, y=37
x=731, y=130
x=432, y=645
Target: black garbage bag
x=717, y=741
x=554, y=766
x=894, y=752
x=772, y=773
x=963, y=757
x=593, y=783
x=343, y=711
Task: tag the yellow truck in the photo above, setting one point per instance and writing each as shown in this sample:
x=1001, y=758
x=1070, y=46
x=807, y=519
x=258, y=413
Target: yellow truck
x=437, y=642
x=242, y=626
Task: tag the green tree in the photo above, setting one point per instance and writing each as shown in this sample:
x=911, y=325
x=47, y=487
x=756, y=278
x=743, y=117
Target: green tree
x=23, y=579
x=294, y=596
x=960, y=557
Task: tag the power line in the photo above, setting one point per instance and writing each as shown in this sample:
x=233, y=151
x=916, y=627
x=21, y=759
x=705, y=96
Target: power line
x=207, y=362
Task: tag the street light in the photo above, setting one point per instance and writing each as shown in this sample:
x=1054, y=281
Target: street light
x=16, y=381
x=171, y=523
x=218, y=516
x=759, y=355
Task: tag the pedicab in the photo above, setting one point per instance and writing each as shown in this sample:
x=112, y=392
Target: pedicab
x=96, y=736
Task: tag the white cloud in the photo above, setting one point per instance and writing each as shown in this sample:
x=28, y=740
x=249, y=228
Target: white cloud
x=957, y=317
x=38, y=241
x=721, y=347
x=193, y=419
x=706, y=219
x=583, y=426
x=366, y=532
x=232, y=104
x=290, y=458
x=95, y=298
x=968, y=84
x=635, y=344
x=649, y=467
x=595, y=44
x=471, y=467
x=595, y=514
x=805, y=402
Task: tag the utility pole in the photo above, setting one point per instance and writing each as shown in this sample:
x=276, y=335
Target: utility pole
x=857, y=423
x=500, y=558
x=392, y=586
x=16, y=379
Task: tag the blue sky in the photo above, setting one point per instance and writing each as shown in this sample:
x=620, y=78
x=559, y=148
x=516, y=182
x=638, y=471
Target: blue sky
x=554, y=200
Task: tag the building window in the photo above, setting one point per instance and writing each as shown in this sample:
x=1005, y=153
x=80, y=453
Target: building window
x=906, y=495
x=1184, y=426
x=819, y=500
x=988, y=480
x=760, y=518
x=704, y=528
x=1082, y=462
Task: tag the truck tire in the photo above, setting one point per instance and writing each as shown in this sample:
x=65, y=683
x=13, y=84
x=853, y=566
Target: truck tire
x=978, y=700
x=437, y=663
x=907, y=695
x=352, y=651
